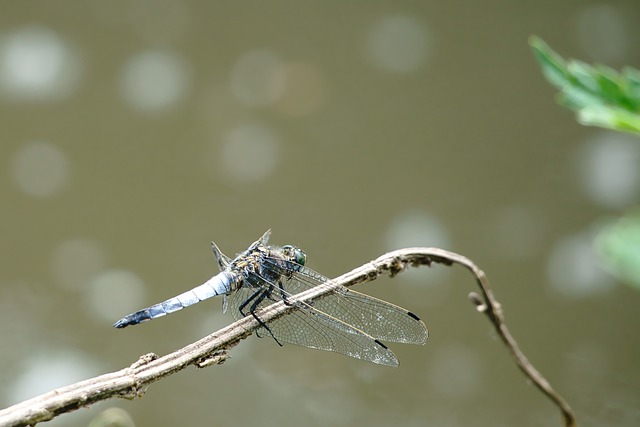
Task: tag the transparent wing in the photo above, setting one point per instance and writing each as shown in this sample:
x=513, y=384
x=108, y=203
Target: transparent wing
x=222, y=259
x=307, y=326
x=377, y=318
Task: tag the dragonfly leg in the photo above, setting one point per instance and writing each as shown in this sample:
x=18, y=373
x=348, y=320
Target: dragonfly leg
x=255, y=300
x=247, y=301
x=283, y=293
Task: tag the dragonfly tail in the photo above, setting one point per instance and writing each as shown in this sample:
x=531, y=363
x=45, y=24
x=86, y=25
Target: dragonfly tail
x=217, y=285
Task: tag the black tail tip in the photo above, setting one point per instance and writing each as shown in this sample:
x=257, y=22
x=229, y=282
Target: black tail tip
x=122, y=323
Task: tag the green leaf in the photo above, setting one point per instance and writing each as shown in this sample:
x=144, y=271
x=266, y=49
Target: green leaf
x=552, y=64
x=611, y=118
x=632, y=77
x=618, y=245
x=599, y=95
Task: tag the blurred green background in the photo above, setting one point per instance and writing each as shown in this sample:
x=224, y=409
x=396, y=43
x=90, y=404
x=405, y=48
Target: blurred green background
x=135, y=132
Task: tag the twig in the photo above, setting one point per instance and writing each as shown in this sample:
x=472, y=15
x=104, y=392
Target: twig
x=487, y=305
x=132, y=382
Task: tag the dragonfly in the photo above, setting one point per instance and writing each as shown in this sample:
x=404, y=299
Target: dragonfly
x=342, y=320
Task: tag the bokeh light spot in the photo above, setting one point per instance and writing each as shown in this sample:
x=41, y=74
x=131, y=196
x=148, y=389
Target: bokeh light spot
x=609, y=169
x=37, y=65
x=250, y=153
x=114, y=293
x=48, y=370
x=40, y=169
x=112, y=417
x=155, y=81
x=397, y=44
x=416, y=228
x=573, y=269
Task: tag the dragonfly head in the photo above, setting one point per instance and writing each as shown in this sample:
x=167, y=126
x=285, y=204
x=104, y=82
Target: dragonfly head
x=295, y=254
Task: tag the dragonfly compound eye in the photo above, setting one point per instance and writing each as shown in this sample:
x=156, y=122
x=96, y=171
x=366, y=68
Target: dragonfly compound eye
x=295, y=253
x=299, y=256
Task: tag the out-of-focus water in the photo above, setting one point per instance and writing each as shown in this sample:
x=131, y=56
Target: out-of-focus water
x=133, y=133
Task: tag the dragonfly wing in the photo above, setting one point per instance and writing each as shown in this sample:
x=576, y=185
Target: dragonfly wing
x=378, y=318
x=222, y=259
x=309, y=327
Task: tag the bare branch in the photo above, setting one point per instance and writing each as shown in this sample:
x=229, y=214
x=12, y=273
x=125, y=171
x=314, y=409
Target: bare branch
x=486, y=304
x=132, y=382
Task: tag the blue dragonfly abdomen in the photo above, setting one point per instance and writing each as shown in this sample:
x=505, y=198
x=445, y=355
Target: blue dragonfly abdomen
x=220, y=284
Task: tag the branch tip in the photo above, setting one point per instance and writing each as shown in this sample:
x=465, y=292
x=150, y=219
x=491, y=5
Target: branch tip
x=477, y=301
